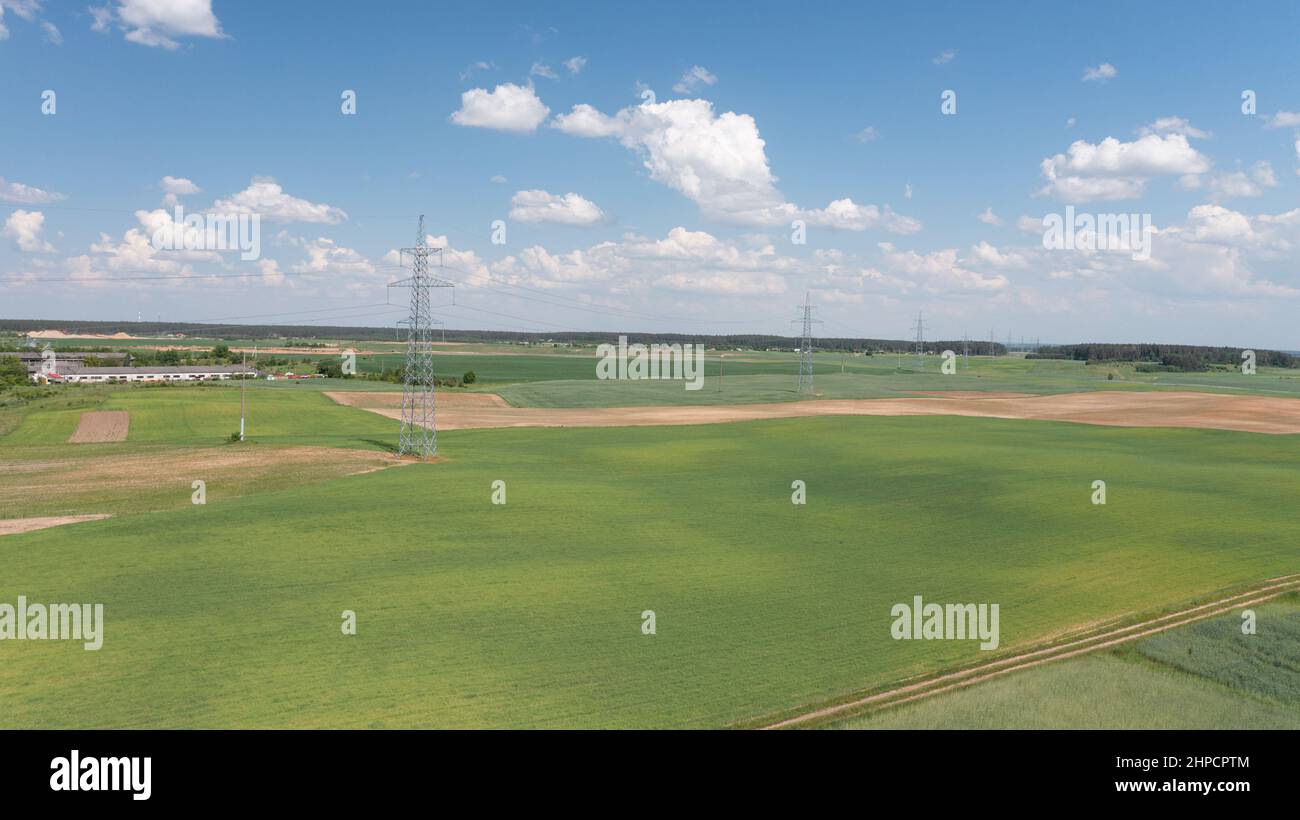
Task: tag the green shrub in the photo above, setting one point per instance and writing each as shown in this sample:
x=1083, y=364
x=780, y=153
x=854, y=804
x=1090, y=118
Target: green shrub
x=13, y=371
x=329, y=369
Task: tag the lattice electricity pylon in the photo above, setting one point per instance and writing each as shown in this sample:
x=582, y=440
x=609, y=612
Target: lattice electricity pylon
x=805, y=383
x=397, y=328
x=419, y=434
x=919, y=328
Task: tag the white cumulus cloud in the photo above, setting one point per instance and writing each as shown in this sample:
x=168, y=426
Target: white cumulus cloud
x=26, y=194
x=24, y=228
x=508, y=107
x=939, y=270
x=158, y=23
x=1113, y=169
x=992, y=256
x=692, y=262
x=264, y=196
x=1283, y=119
x=541, y=69
x=326, y=257
x=179, y=186
x=1215, y=223
x=719, y=162
x=693, y=79
x=1224, y=185
x=1100, y=73
x=1174, y=125
x=174, y=188
x=541, y=206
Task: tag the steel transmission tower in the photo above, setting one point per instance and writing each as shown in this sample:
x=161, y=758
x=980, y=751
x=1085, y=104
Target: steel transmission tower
x=419, y=436
x=919, y=327
x=805, y=383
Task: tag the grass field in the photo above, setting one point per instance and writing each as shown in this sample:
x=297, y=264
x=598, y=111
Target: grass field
x=528, y=614
x=569, y=380
x=208, y=413
x=1203, y=676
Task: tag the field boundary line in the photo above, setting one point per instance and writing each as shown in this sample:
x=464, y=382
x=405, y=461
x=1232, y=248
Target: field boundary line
x=1027, y=660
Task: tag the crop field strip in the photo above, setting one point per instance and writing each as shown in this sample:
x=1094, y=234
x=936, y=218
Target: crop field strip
x=1212, y=674
x=1056, y=652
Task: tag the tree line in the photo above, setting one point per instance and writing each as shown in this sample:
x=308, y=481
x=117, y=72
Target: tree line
x=307, y=336
x=1177, y=357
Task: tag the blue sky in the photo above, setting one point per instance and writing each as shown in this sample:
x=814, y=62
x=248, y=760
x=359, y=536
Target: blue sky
x=671, y=214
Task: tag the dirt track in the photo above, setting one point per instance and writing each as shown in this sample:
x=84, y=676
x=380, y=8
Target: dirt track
x=1253, y=414
x=99, y=426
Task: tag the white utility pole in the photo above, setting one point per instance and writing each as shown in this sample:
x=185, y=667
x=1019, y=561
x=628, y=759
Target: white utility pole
x=242, y=378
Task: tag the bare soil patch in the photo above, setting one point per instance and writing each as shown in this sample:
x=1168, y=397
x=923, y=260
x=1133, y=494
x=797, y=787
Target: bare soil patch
x=13, y=526
x=98, y=426
x=969, y=394
x=1254, y=414
x=467, y=402
x=160, y=477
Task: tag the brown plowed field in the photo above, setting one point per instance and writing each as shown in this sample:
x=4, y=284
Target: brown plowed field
x=100, y=426
x=1254, y=414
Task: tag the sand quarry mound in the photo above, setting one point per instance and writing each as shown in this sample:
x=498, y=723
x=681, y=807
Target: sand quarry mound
x=100, y=426
x=1252, y=414
x=59, y=334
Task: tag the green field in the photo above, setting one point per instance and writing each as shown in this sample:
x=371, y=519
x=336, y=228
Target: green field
x=207, y=413
x=548, y=376
x=770, y=377
x=528, y=614
x=568, y=380
x=1204, y=676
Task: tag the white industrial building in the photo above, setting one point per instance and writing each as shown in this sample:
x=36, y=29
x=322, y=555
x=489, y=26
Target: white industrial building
x=189, y=373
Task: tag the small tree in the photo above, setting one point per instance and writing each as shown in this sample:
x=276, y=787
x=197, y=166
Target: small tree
x=12, y=370
x=329, y=369
x=469, y=377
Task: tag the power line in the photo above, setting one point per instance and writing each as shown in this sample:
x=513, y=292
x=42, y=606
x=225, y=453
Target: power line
x=211, y=327
x=517, y=318
x=286, y=313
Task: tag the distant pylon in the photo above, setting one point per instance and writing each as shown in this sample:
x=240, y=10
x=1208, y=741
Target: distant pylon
x=805, y=383
x=920, y=338
x=419, y=435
